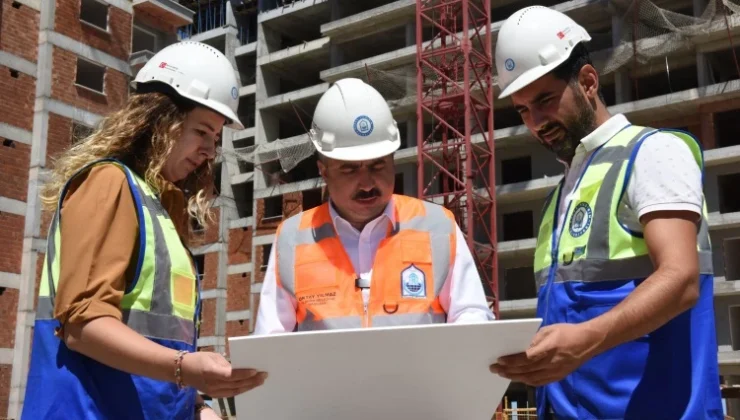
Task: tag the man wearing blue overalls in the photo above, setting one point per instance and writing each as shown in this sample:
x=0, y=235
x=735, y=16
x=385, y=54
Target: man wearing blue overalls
x=623, y=261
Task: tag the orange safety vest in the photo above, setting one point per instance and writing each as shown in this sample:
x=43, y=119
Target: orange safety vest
x=410, y=268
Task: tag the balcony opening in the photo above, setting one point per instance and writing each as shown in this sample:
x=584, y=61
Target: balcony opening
x=664, y=82
x=243, y=197
x=722, y=65
x=273, y=208
x=90, y=75
x=731, y=248
x=247, y=66
x=727, y=127
x=516, y=170
x=506, y=117
x=312, y=198
x=200, y=263
x=143, y=40
x=518, y=225
x=729, y=193
x=266, y=249
x=398, y=184
x=94, y=13
x=519, y=283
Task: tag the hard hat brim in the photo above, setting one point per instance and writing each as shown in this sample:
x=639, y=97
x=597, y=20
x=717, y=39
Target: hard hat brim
x=363, y=152
x=232, y=122
x=528, y=77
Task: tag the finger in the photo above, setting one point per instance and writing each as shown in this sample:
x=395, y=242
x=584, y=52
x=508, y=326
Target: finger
x=541, y=348
x=234, y=384
x=513, y=360
x=236, y=375
x=240, y=387
x=533, y=366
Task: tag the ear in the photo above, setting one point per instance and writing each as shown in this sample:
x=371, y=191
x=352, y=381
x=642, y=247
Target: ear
x=322, y=168
x=588, y=79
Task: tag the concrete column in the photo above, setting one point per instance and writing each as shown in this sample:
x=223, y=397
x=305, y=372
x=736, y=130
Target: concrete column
x=25, y=315
x=411, y=70
x=225, y=207
x=336, y=54
x=411, y=132
x=703, y=69
x=622, y=83
x=409, y=180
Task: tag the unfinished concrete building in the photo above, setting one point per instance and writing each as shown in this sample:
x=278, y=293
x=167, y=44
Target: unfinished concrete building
x=682, y=72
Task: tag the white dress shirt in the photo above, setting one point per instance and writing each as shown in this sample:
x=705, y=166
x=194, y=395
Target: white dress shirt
x=665, y=175
x=461, y=297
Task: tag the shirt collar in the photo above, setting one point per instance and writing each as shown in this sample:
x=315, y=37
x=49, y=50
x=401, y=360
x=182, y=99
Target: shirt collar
x=387, y=213
x=604, y=132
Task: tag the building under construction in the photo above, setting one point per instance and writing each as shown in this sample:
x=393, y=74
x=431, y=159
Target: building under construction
x=66, y=64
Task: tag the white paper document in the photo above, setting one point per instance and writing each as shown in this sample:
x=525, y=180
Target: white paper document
x=429, y=372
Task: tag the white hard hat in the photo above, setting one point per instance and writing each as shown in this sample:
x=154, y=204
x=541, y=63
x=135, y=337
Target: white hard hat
x=531, y=43
x=352, y=121
x=198, y=72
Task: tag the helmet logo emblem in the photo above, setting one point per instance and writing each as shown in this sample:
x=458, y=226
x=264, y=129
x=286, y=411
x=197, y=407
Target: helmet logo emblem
x=162, y=65
x=234, y=92
x=561, y=35
x=509, y=64
x=363, y=125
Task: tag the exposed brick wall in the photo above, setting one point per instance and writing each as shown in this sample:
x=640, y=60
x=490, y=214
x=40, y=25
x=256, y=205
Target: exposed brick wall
x=210, y=270
x=63, y=86
x=240, y=245
x=237, y=328
x=261, y=257
x=213, y=228
x=19, y=31
x=59, y=138
x=11, y=242
x=14, y=161
x=206, y=348
x=19, y=111
x=5, y=372
x=8, y=312
x=116, y=42
x=238, y=287
x=208, y=318
x=266, y=227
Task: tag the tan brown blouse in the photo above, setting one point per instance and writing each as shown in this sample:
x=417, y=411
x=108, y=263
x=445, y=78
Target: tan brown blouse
x=99, y=245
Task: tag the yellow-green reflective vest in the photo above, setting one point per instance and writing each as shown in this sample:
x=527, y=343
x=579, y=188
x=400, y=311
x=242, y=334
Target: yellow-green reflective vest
x=593, y=265
x=161, y=303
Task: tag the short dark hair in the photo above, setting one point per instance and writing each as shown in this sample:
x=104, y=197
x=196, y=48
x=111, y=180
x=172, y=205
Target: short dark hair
x=570, y=68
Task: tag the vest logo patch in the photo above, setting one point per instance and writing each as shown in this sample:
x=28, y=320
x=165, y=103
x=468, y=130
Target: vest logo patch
x=413, y=283
x=581, y=219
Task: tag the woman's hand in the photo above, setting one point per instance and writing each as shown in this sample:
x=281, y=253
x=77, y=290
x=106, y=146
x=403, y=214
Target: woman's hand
x=211, y=374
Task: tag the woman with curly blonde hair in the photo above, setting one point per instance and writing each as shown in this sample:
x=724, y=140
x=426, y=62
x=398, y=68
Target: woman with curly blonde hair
x=119, y=301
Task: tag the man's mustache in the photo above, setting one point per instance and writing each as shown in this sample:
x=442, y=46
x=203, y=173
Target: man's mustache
x=362, y=194
x=549, y=127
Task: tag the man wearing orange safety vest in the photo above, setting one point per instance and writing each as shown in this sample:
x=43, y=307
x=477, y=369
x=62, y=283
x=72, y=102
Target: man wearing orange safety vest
x=367, y=257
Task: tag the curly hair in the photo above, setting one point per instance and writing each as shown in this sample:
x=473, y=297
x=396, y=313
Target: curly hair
x=141, y=135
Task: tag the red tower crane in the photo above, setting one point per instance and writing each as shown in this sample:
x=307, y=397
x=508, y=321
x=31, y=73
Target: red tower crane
x=456, y=165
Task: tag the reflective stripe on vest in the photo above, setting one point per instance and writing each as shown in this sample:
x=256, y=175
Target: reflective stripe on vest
x=162, y=300
x=313, y=267
x=597, y=247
